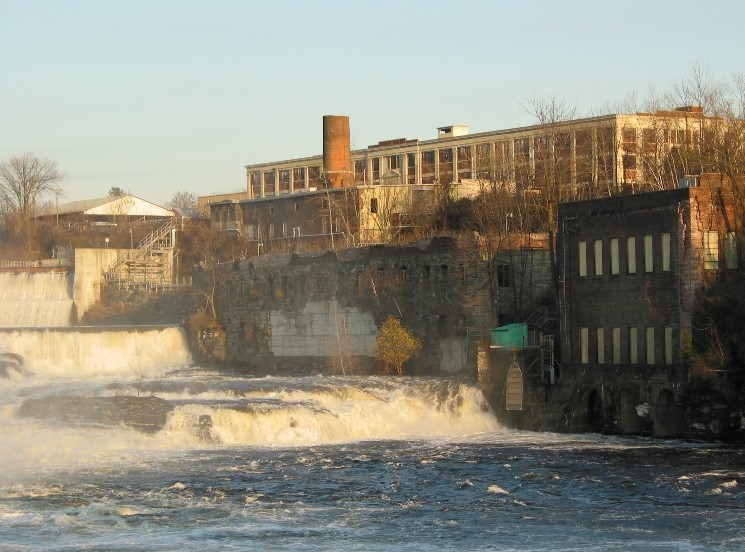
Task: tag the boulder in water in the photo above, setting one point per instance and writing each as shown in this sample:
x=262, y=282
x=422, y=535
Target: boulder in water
x=12, y=363
x=147, y=414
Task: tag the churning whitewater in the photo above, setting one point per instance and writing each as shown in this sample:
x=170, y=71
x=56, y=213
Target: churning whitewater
x=111, y=439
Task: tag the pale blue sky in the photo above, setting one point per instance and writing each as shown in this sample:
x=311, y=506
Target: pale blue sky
x=162, y=96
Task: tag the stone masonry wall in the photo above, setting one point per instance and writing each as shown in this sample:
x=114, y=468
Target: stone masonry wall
x=306, y=312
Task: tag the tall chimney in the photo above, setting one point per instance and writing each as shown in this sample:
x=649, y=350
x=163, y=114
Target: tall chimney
x=337, y=153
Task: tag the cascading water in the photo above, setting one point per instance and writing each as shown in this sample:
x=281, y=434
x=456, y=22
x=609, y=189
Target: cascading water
x=36, y=299
x=90, y=351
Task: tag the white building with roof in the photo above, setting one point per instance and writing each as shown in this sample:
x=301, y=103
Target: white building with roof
x=108, y=210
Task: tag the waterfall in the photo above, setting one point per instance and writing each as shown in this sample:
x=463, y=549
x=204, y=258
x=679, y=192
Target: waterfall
x=313, y=411
x=35, y=299
x=129, y=351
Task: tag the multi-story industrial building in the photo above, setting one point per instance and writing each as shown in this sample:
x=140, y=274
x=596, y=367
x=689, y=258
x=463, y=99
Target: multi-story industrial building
x=395, y=182
x=632, y=270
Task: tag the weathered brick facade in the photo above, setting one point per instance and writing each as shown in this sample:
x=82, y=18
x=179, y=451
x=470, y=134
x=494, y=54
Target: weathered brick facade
x=632, y=269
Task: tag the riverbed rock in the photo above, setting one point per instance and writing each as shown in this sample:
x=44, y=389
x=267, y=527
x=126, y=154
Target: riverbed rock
x=147, y=414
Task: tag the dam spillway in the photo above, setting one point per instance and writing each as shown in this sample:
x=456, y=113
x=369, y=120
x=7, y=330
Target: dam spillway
x=36, y=298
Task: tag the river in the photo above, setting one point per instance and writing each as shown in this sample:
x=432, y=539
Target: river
x=321, y=463
x=332, y=463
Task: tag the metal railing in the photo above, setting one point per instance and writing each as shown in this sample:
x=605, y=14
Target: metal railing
x=146, y=246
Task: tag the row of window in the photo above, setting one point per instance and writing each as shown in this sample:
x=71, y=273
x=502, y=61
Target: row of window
x=256, y=231
x=632, y=353
x=649, y=244
x=614, y=247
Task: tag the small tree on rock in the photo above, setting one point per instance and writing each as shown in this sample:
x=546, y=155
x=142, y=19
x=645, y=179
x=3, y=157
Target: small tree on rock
x=395, y=345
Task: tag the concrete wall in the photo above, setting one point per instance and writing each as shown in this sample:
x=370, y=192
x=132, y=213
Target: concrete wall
x=323, y=329
x=89, y=267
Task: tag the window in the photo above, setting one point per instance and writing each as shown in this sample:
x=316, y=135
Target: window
x=442, y=325
x=256, y=184
x=411, y=167
x=598, y=254
x=503, y=275
x=633, y=346
x=284, y=180
x=393, y=162
x=614, y=256
x=601, y=345
x=648, y=254
x=668, y=345
x=360, y=168
x=650, y=345
x=271, y=230
x=584, y=338
x=374, y=205
x=269, y=181
x=314, y=176
x=730, y=250
x=711, y=250
x=616, y=345
x=631, y=255
x=284, y=229
x=324, y=226
x=665, y=252
x=298, y=178
x=629, y=137
x=583, y=258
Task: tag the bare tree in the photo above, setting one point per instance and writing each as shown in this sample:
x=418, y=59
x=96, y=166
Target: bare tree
x=183, y=200
x=23, y=180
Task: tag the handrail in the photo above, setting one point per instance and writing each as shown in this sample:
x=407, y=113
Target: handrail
x=143, y=248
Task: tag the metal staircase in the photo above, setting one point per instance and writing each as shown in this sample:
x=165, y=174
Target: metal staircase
x=150, y=264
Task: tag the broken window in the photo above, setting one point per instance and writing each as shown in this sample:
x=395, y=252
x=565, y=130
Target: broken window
x=269, y=183
x=411, y=168
x=504, y=278
x=298, y=178
x=284, y=180
x=314, y=177
x=374, y=205
x=360, y=167
x=730, y=250
x=256, y=184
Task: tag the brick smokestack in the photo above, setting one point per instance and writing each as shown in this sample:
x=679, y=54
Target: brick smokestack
x=337, y=153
